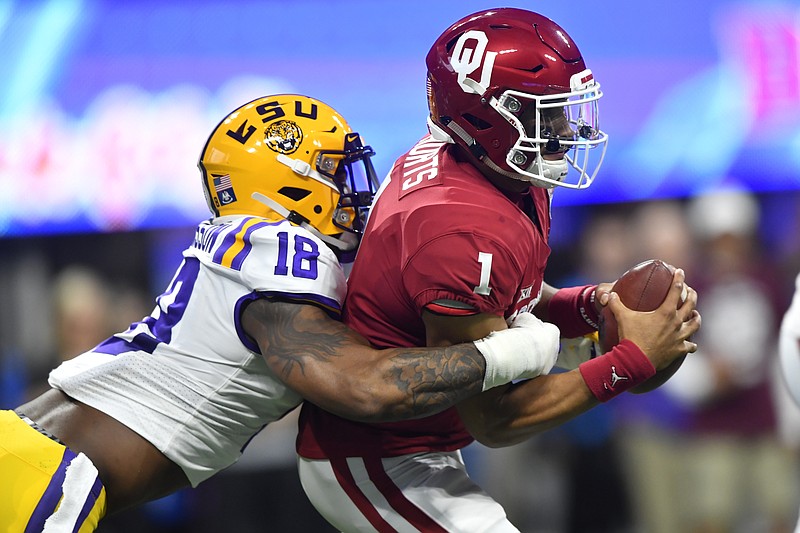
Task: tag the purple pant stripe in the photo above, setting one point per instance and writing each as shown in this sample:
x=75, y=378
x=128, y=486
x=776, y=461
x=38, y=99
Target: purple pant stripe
x=88, y=504
x=52, y=494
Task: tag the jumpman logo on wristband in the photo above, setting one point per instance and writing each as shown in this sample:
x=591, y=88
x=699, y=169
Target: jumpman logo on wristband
x=615, y=378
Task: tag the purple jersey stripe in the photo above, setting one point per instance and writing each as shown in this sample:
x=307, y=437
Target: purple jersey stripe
x=184, y=285
x=228, y=241
x=236, y=264
x=328, y=305
x=180, y=290
x=115, y=346
x=88, y=505
x=52, y=495
x=237, y=313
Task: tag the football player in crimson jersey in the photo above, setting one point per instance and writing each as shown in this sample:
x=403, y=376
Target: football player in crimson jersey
x=456, y=245
x=241, y=334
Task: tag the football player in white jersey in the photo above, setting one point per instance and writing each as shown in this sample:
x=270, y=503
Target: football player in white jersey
x=790, y=350
x=244, y=330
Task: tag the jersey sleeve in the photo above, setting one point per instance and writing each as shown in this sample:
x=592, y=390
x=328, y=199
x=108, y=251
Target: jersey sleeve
x=276, y=260
x=294, y=264
x=463, y=267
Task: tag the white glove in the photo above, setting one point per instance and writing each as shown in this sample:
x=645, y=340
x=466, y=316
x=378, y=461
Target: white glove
x=575, y=351
x=527, y=349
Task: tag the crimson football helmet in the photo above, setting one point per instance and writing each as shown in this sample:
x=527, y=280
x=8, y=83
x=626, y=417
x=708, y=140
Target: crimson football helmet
x=294, y=157
x=511, y=86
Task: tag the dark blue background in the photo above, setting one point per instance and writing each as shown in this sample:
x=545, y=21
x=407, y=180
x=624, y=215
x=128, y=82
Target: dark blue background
x=696, y=93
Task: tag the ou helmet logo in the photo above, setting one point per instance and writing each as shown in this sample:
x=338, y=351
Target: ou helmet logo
x=466, y=60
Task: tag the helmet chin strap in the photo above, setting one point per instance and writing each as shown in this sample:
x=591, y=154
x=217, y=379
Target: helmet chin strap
x=293, y=216
x=438, y=133
x=302, y=168
x=551, y=170
x=555, y=170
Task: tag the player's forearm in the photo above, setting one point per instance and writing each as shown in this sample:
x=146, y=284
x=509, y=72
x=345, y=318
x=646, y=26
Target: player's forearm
x=331, y=366
x=429, y=380
x=511, y=414
x=541, y=309
x=368, y=385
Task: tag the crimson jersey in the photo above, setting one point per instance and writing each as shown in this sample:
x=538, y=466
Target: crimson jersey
x=439, y=230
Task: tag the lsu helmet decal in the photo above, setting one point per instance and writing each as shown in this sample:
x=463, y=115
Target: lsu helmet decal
x=284, y=136
x=291, y=156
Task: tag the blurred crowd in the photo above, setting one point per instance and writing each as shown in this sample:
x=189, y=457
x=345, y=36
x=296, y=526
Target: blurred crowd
x=713, y=450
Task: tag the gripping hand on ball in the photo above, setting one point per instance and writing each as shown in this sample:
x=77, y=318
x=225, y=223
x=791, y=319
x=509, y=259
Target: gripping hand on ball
x=665, y=333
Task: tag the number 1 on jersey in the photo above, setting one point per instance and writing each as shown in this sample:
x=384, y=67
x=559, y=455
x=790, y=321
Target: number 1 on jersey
x=483, y=288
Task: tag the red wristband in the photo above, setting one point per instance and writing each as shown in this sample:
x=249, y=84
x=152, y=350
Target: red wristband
x=573, y=311
x=618, y=370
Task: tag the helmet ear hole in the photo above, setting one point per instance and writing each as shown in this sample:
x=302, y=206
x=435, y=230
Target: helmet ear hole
x=294, y=193
x=452, y=42
x=318, y=209
x=477, y=122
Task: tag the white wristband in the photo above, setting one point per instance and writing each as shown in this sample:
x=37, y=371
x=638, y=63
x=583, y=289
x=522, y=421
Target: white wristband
x=527, y=349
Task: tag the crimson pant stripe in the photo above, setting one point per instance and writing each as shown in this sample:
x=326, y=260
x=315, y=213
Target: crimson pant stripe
x=345, y=478
x=405, y=508
x=52, y=495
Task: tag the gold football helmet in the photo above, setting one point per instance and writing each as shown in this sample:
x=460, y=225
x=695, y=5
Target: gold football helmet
x=294, y=157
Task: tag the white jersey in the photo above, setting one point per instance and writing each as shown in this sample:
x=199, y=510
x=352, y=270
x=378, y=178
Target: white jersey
x=187, y=378
x=789, y=347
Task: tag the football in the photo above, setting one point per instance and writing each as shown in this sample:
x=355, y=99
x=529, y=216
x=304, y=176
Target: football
x=642, y=288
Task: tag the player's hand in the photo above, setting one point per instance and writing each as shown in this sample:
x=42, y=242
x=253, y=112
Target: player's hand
x=664, y=334
x=601, y=293
x=528, y=348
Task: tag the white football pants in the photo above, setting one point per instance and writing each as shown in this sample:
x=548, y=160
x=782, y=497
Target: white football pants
x=428, y=492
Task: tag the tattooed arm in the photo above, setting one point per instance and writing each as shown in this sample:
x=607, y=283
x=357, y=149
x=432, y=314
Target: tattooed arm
x=335, y=368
